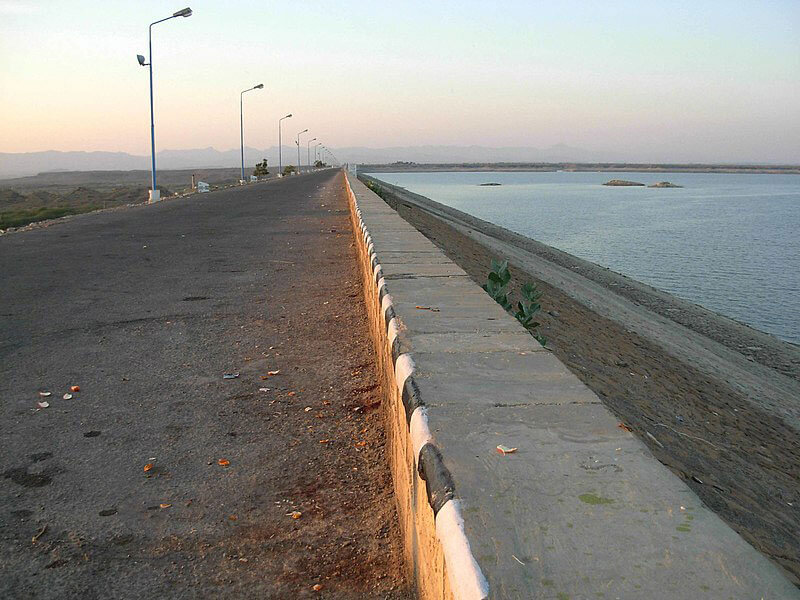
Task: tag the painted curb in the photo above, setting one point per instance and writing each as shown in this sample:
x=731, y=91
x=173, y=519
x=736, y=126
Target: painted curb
x=466, y=579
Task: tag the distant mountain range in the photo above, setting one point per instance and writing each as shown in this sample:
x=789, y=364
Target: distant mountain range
x=31, y=163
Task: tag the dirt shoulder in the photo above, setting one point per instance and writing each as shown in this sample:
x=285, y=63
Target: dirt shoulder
x=741, y=457
x=146, y=309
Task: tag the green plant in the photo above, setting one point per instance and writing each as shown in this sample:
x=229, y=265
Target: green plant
x=288, y=170
x=527, y=307
x=496, y=286
x=375, y=188
x=261, y=169
x=499, y=277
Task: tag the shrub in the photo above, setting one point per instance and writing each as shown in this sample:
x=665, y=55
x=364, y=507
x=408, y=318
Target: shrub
x=496, y=287
x=261, y=169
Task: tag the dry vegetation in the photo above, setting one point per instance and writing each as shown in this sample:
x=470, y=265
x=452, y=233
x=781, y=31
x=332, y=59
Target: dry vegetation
x=26, y=200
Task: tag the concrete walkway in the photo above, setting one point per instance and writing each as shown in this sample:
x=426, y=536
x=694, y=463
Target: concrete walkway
x=146, y=309
x=581, y=509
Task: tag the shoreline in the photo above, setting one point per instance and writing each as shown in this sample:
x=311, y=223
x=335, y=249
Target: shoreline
x=579, y=167
x=713, y=399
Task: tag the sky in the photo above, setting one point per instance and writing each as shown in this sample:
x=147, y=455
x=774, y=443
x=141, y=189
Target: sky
x=653, y=81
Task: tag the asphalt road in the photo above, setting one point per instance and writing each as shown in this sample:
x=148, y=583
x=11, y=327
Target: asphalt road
x=146, y=309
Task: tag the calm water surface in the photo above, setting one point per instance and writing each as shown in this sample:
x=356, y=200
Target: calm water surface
x=728, y=242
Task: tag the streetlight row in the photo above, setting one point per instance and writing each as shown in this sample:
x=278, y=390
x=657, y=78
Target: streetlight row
x=154, y=192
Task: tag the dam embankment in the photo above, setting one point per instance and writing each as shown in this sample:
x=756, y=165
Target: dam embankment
x=713, y=399
x=583, y=506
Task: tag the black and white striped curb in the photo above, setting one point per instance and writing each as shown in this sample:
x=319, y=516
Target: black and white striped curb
x=466, y=579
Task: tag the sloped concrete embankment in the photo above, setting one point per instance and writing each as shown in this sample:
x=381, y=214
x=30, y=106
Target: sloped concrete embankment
x=580, y=510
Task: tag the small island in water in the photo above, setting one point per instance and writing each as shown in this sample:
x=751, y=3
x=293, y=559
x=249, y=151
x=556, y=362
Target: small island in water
x=490, y=183
x=625, y=183
x=665, y=184
x=622, y=183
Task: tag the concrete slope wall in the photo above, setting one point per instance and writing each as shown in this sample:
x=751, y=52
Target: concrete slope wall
x=580, y=510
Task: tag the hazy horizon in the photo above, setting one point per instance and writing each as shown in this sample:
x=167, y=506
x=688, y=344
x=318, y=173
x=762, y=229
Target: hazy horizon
x=672, y=82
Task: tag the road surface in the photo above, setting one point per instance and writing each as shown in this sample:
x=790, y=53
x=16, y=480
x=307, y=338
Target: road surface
x=160, y=478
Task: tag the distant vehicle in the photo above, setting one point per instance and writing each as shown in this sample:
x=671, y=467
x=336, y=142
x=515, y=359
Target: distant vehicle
x=203, y=187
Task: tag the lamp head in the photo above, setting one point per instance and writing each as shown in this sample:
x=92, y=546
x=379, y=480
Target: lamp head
x=287, y=116
x=258, y=87
x=140, y=58
x=185, y=12
x=304, y=130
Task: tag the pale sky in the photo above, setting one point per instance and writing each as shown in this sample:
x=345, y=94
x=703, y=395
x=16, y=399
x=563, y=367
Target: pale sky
x=695, y=80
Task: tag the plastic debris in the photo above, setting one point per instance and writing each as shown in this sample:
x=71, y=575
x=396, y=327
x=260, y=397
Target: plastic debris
x=223, y=462
x=625, y=427
x=505, y=449
x=295, y=514
x=45, y=394
x=67, y=396
x=307, y=409
x=324, y=441
x=147, y=467
x=75, y=388
x=271, y=373
x=263, y=389
x=164, y=505
x=43, y=404
x=316, y=587
x=230, y=376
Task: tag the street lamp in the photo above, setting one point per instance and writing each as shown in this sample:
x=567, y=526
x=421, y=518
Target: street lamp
x=316, y=147
x=280, y=157
x=186, y=12
x=333, y=156
x=298, y=149
x=308, y=152
x=241, y=121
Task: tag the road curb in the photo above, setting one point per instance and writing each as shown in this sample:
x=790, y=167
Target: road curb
x=465, y=580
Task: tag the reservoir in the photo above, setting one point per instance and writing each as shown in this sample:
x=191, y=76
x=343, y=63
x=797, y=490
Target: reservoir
x=729, y=242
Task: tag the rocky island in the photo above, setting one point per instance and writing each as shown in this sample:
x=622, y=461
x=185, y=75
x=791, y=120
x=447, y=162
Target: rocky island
x=665, y=184
x=490, y=183
x=622, y=183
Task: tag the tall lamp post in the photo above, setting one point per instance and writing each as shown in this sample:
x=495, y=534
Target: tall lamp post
x=280, y=157
x=316, y=147
x=241, y=121
x=298, y=149
x=308, y=152
x=155, y=195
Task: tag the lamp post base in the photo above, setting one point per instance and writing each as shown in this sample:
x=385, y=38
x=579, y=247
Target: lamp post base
x=155, y=196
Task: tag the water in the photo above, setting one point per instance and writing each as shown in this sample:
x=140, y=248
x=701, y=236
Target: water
x=729, y=242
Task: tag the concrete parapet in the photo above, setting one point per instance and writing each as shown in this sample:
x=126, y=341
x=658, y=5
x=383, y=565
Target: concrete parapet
x=581, y=510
